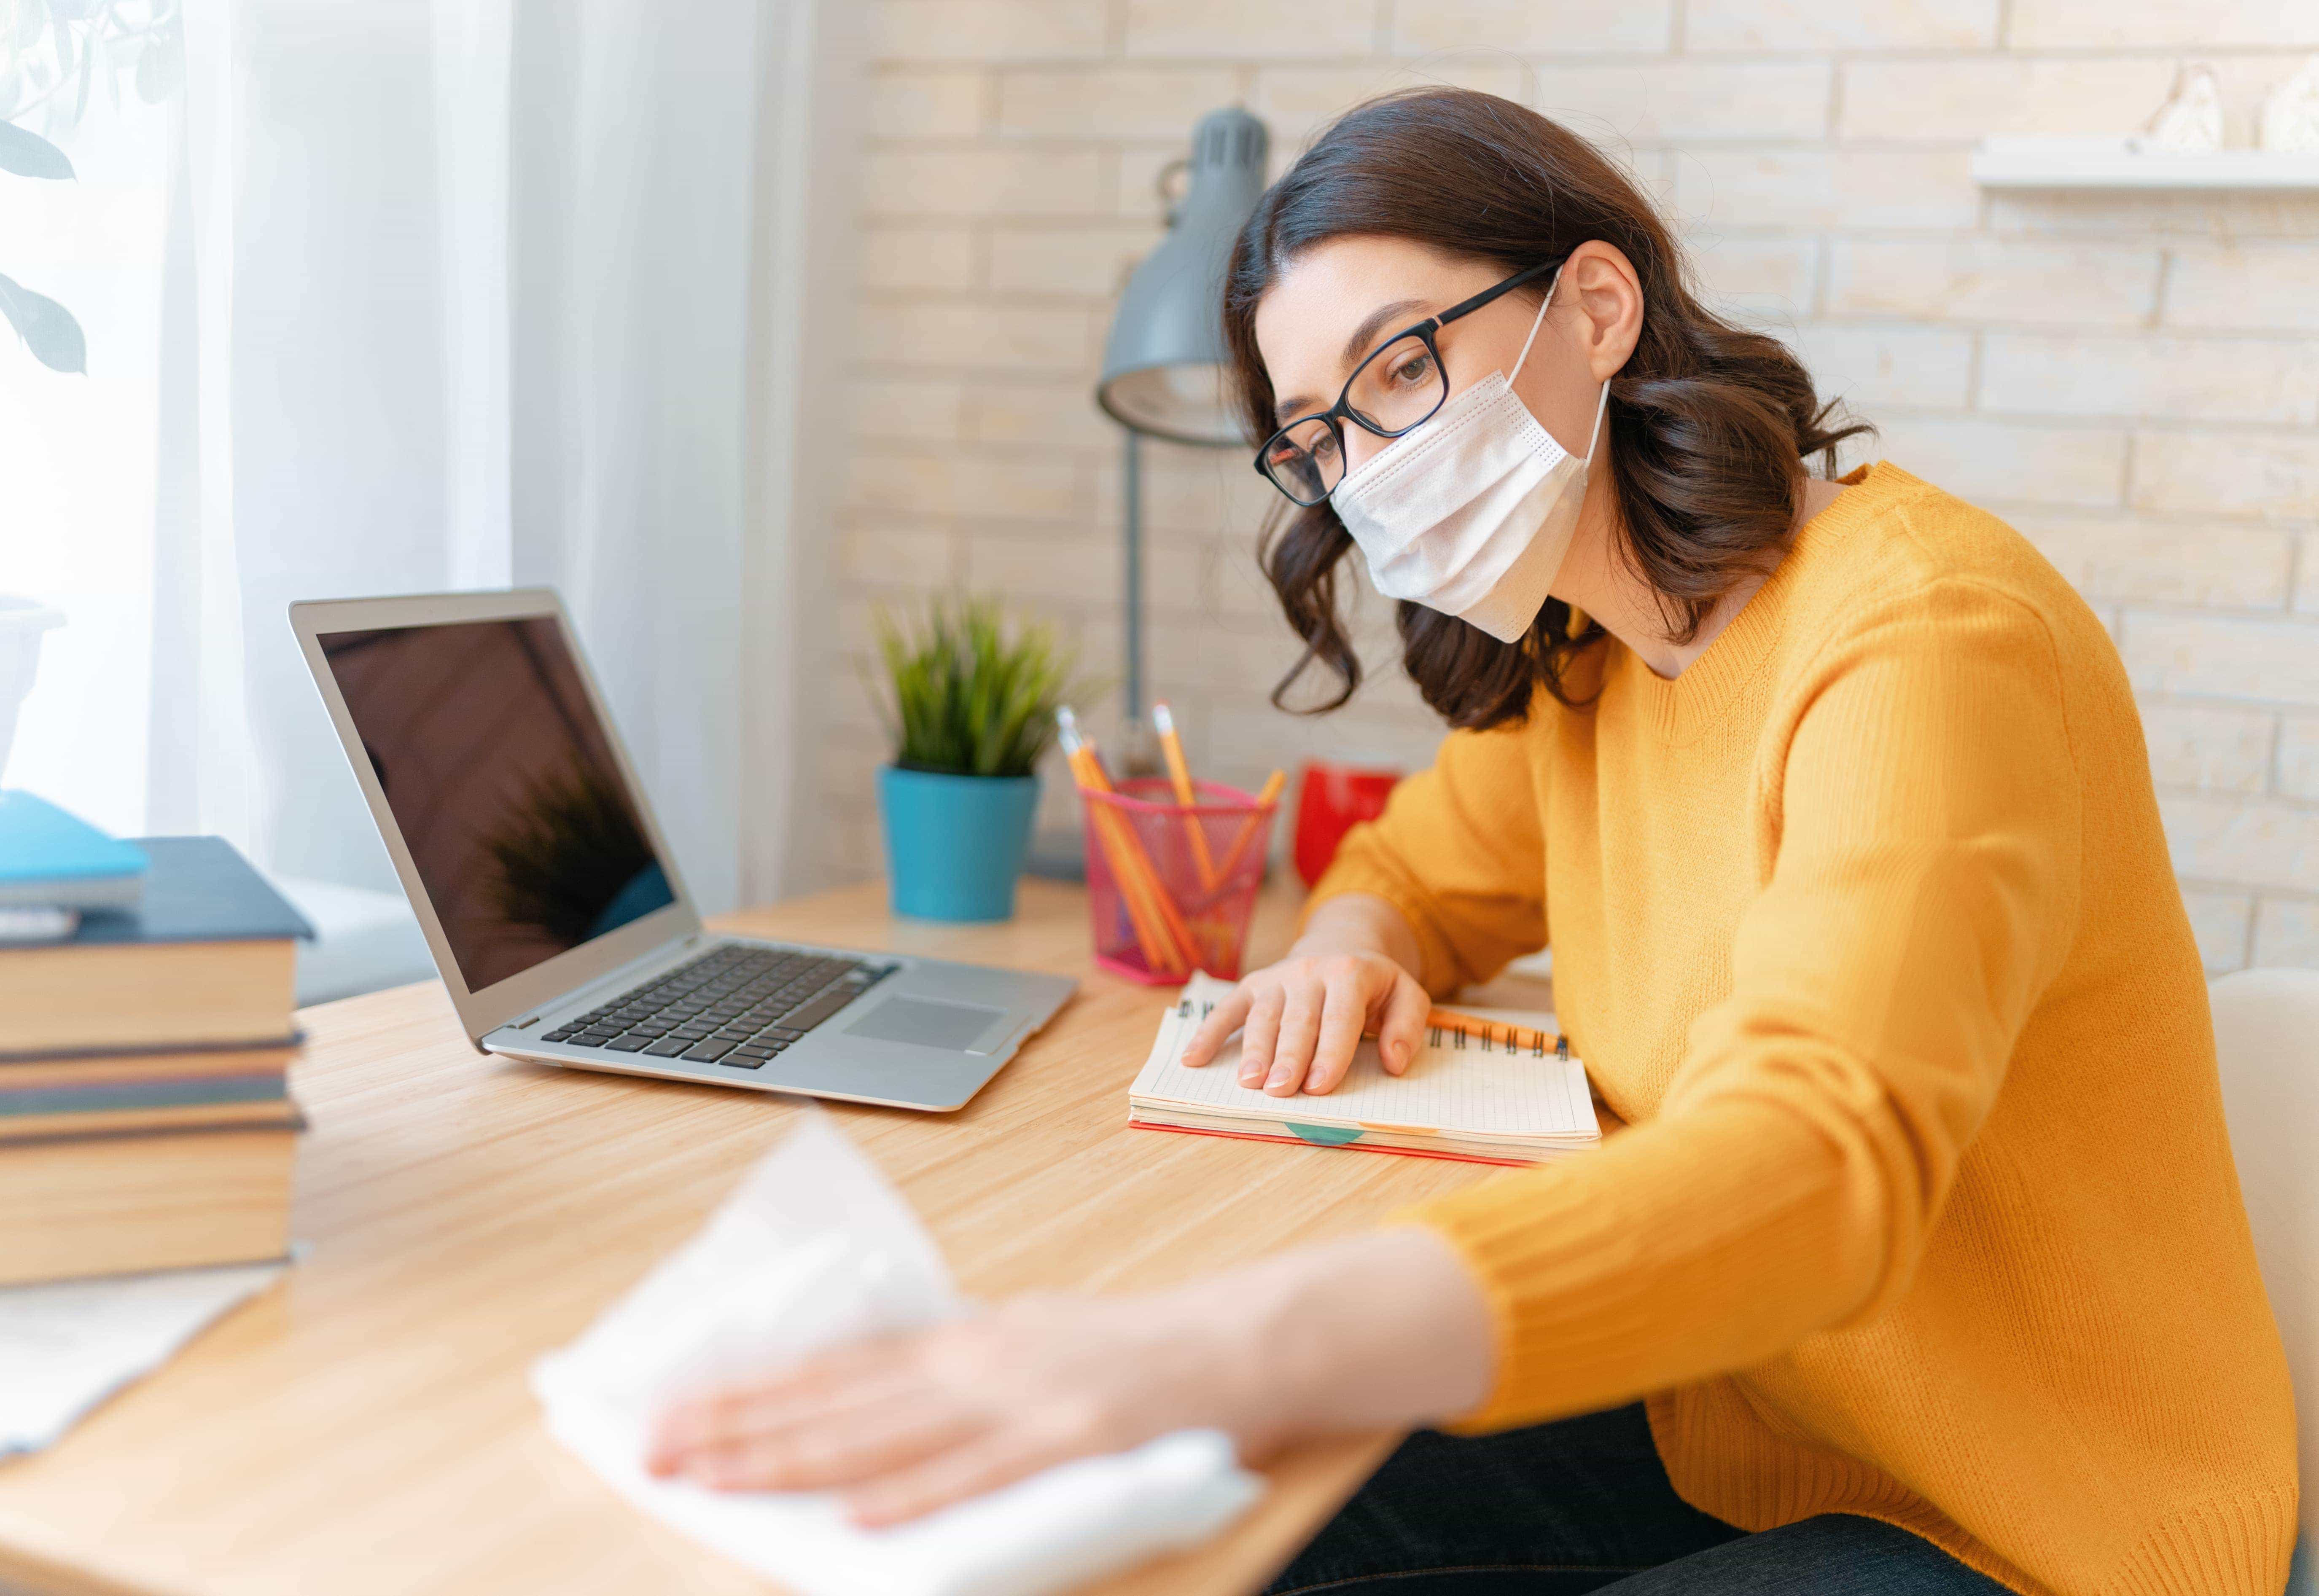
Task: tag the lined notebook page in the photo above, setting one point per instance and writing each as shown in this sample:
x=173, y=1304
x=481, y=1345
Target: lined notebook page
x=1477, y=1089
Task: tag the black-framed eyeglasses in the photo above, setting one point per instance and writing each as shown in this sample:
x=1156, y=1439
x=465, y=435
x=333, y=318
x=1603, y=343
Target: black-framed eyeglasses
x=1396, y=390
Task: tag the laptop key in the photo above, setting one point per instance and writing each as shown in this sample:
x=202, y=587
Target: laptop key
x=709, y=1052
x=749, y=1052
x=630, y=1043
x=668, y=1047
x=814, y=1010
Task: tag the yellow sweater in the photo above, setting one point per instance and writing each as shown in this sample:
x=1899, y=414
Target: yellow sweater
x=1865, y=926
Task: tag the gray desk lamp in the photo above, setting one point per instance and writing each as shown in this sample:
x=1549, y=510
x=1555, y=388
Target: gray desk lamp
x=1164, y=366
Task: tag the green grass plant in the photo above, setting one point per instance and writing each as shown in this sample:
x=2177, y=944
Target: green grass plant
x=968, y=693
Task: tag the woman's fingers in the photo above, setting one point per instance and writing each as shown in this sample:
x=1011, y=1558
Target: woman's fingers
x=1257, y=1035
x=1402, y=1028
x=1222, y=1020
x=833, y=1384
x=884, y=1440
x=714, y=1423
x=1343, y=1014
x=1300, y=1027
x=1000, y=1459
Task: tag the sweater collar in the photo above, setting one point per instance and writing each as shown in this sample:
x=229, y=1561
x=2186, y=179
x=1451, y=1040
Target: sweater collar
x=1681, y=708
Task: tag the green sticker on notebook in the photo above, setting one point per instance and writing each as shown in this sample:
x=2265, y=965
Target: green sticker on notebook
x=1326, y=1135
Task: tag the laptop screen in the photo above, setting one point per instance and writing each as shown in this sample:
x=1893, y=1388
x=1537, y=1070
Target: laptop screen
x=503, y=784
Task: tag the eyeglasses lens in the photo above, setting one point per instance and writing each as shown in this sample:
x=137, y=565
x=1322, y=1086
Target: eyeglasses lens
x=1399, y=386
x=1395, y=388
x=1304, y=461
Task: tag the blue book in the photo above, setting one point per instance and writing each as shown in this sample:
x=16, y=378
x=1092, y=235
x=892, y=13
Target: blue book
x=53, y=859
x=198, y=890
x=205, y=961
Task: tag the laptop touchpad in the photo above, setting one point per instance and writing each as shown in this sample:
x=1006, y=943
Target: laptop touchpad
x=926, y=1023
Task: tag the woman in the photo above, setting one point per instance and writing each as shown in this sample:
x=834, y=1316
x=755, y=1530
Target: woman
x=1922, y=1266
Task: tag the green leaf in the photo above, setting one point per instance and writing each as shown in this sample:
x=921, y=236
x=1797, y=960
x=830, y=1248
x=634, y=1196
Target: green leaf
x=47, y=328
x=28, y=155
x=967, y=694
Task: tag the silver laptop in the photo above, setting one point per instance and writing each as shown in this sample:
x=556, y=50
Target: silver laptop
x=552, y=905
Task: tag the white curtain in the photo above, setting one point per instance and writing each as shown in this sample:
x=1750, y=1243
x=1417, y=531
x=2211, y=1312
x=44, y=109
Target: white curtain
x=472, y=292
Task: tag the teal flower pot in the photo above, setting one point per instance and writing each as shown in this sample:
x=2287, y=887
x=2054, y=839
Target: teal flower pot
x=955, y=844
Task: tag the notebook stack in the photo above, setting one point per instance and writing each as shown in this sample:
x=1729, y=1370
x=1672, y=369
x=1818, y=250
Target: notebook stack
x=145, y=1116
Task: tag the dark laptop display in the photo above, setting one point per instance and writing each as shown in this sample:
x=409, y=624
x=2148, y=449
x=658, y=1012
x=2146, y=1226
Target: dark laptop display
x=503, y=785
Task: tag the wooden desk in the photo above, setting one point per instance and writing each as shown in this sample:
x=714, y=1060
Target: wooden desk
x=364, y=1427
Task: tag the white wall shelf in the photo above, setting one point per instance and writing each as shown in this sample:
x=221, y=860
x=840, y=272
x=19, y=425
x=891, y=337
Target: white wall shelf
x=2116, y=163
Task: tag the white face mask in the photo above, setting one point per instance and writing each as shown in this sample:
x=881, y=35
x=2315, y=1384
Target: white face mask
x=1472, y=513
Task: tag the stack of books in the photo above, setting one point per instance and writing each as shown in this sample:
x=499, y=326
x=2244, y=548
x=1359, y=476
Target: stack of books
x=145, y=1116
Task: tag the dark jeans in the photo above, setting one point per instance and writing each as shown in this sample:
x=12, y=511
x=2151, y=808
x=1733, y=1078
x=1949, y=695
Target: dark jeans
x=1584, y=1505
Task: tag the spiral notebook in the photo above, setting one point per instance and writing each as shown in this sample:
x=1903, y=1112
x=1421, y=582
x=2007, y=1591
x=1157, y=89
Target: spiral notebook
x=1462, y=1097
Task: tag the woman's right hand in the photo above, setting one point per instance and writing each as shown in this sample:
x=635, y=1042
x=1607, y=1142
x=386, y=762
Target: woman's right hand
x=1301, y=1018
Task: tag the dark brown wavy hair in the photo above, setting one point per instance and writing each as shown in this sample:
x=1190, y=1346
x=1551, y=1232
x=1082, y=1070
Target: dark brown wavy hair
x=1707, y=425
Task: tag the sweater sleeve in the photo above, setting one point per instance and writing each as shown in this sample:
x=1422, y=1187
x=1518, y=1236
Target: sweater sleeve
x=1459, y=850
x=1921, y=895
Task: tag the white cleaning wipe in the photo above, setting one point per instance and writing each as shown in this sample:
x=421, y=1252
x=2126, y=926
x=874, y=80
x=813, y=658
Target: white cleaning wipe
x=815, y=1249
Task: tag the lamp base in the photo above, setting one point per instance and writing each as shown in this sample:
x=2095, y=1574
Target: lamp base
x=1058, y=855
x=1138, y=749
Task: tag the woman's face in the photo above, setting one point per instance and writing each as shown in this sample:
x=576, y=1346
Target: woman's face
x=1339, y=301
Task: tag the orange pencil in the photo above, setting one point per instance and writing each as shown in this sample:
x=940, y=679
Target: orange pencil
x=1166, y=942
x=1141, y=866
x=1087, y=774
x=1162, y=950
x=1250, y=828
x=1179, y=776
x=1134, y=892
x=1515, y=1038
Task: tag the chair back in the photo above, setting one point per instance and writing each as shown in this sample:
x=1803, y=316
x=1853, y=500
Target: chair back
x=2267, y=1043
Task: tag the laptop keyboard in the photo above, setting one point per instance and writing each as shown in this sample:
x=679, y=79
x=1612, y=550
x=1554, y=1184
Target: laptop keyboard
x=732, y=1006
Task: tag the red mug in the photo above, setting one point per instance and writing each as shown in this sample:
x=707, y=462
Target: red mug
x=1331, y=799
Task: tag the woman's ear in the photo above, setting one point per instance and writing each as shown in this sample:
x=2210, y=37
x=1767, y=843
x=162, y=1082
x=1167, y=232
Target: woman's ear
x=1600, y=282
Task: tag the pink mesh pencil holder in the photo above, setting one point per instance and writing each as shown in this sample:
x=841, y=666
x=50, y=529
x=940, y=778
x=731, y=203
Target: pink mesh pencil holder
x=1170, y=886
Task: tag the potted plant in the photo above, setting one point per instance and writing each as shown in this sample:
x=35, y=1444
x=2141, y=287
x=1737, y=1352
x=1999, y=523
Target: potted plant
x=971, y=704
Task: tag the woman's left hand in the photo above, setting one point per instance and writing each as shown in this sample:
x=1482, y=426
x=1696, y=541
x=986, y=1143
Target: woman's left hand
x=1381, y=1330
x=909, y=1423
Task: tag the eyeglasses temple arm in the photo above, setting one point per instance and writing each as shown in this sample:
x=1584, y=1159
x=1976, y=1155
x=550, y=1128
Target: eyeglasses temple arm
x=1468, y=307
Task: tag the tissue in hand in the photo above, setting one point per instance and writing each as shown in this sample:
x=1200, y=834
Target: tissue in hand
x=813, y=1249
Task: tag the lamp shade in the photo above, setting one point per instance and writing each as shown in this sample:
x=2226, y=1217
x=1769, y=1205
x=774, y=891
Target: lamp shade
x=1165, y=363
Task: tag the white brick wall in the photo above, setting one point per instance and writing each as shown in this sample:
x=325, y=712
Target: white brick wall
x=2132, y=379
